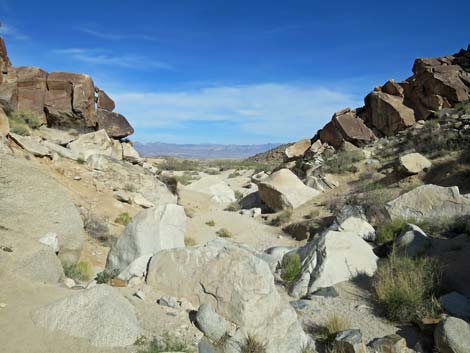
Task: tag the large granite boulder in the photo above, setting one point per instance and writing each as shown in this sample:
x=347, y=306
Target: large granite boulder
x=100, y=315
x=34, y=205
x=346, y=126
x=297, y=149
x=31, y=91
x=92, y=143
x=387, y=113
x=333, y=257
x=452, y=335
x=284, y=190
x=116, y=125
x=245, y=294
x=414, y=163
x=428, y=202
x=151, y=231
x=104, y=101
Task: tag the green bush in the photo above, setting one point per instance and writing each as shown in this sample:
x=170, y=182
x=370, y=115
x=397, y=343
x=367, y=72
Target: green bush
x=406, y=287
x=81, y=271
x=224, y=233
x=388, y=231
x=343, y=161
x=123, y=219
x=167, y=343
x=106, y=276
x=291, y=267
x=252, y=345
x=211, y=223
x=189, y=241
x=174, y=164
x=22, y=121
x=234, y=175
x=326, y=333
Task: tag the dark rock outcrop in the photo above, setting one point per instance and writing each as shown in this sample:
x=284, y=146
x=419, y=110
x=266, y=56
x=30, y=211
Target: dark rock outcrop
x=61, y=100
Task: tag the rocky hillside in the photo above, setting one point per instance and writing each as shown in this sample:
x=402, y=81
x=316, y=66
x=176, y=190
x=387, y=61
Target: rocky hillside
x=357, y=242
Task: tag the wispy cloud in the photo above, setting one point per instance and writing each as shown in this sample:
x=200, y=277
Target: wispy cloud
x=262, y=112
x=115, y=36
x=101, y=57
x=12, y=32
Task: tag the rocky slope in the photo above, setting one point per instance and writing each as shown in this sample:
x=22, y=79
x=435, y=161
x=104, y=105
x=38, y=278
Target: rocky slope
x=357, y=242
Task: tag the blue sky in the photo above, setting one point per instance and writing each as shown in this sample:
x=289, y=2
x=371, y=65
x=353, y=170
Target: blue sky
x=232, y=71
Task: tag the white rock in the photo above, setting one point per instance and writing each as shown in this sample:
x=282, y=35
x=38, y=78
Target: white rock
x=99, y=314
x=129, y=153
x=51, y=240
x=359, y=227
x=414, y=163
x=31, y=144
x=283, y=189
x=142, y=201
x=69, y=283
x=59, y=150
x=98, y=162
x=152, y=230
x=331, y=258
x=138, y=268
x=92, y=143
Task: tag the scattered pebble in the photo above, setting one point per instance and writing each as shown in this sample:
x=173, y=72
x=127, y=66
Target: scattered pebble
x=77, y=178
x=3, y=305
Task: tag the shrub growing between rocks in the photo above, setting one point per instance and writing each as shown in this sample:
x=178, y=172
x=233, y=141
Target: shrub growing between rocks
x=22, y=121
x=282, y=218
x=343, y=161
x=290, y=267
x=106, y=276
x=325, y=334
x=81, y=271
x=210, y=223
x=224, y=233
x=189, y=241
x=166, y=343
x=406, y=287
x=123, y=219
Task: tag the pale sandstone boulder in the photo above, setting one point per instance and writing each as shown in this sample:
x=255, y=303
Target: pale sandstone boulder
x=452, y=335
x=92, y=143
x=245, y=294
x=31, y=144
x=414, y=163
x=4, y=124
x=129, y=153
x=100, y=314
x=429, y=202
x=331, y=258
x=151, y=231
x=297, y=149
x=284, y=190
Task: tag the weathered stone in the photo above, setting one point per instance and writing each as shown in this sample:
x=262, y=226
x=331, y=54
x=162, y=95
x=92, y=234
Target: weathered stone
x=456, y=305
x=105, y=102
x=129, y=153
x=4, y=123
x=5, y=63
x=38, y=205
x=92, y=143
x=98, y=162
x=217, y=189
x=40, y=265
x=359, y=227
x=256, y=178
x=59, y=137
x=283, y=190
x=151, y=231
x=297, y=149
x=414, y=163
x=350, y=341
x=393, y=88
x=331, y=258
x=387, y=113
x=31, y=144
x=32, y=87
x=116, y=125
x=210, y=323
x=346, y=126
x=142, y=201
x=429, y=202
x=137, y=268
x=61, y=151
x=389, y=344
x=413, y=241
x=245, y=294
x=51, y=240
x=99, y=314
x=452, y=335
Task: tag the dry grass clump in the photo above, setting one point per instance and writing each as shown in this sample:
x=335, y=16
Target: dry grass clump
x=23, y=121
x=224, y=233
x=189, y=241
x=253, y=345
x=210, y=223
x=406, y=287
x=343, y=161
x=166, y=343
x=282, y=218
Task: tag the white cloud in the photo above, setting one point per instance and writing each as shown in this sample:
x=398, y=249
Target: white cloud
x=115, y=36
x=286, y=111
x=101, y=57
x=12, y=32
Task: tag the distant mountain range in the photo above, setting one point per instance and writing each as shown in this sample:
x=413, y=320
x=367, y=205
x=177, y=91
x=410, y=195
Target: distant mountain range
x=201, y=151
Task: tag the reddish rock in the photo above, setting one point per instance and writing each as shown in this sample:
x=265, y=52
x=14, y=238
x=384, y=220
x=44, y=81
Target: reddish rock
x=115, y=125
x=83, y=98
x=346, y=126
x=393, y=88
x=387, y=113
x=105, y=102
x=31, y=90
